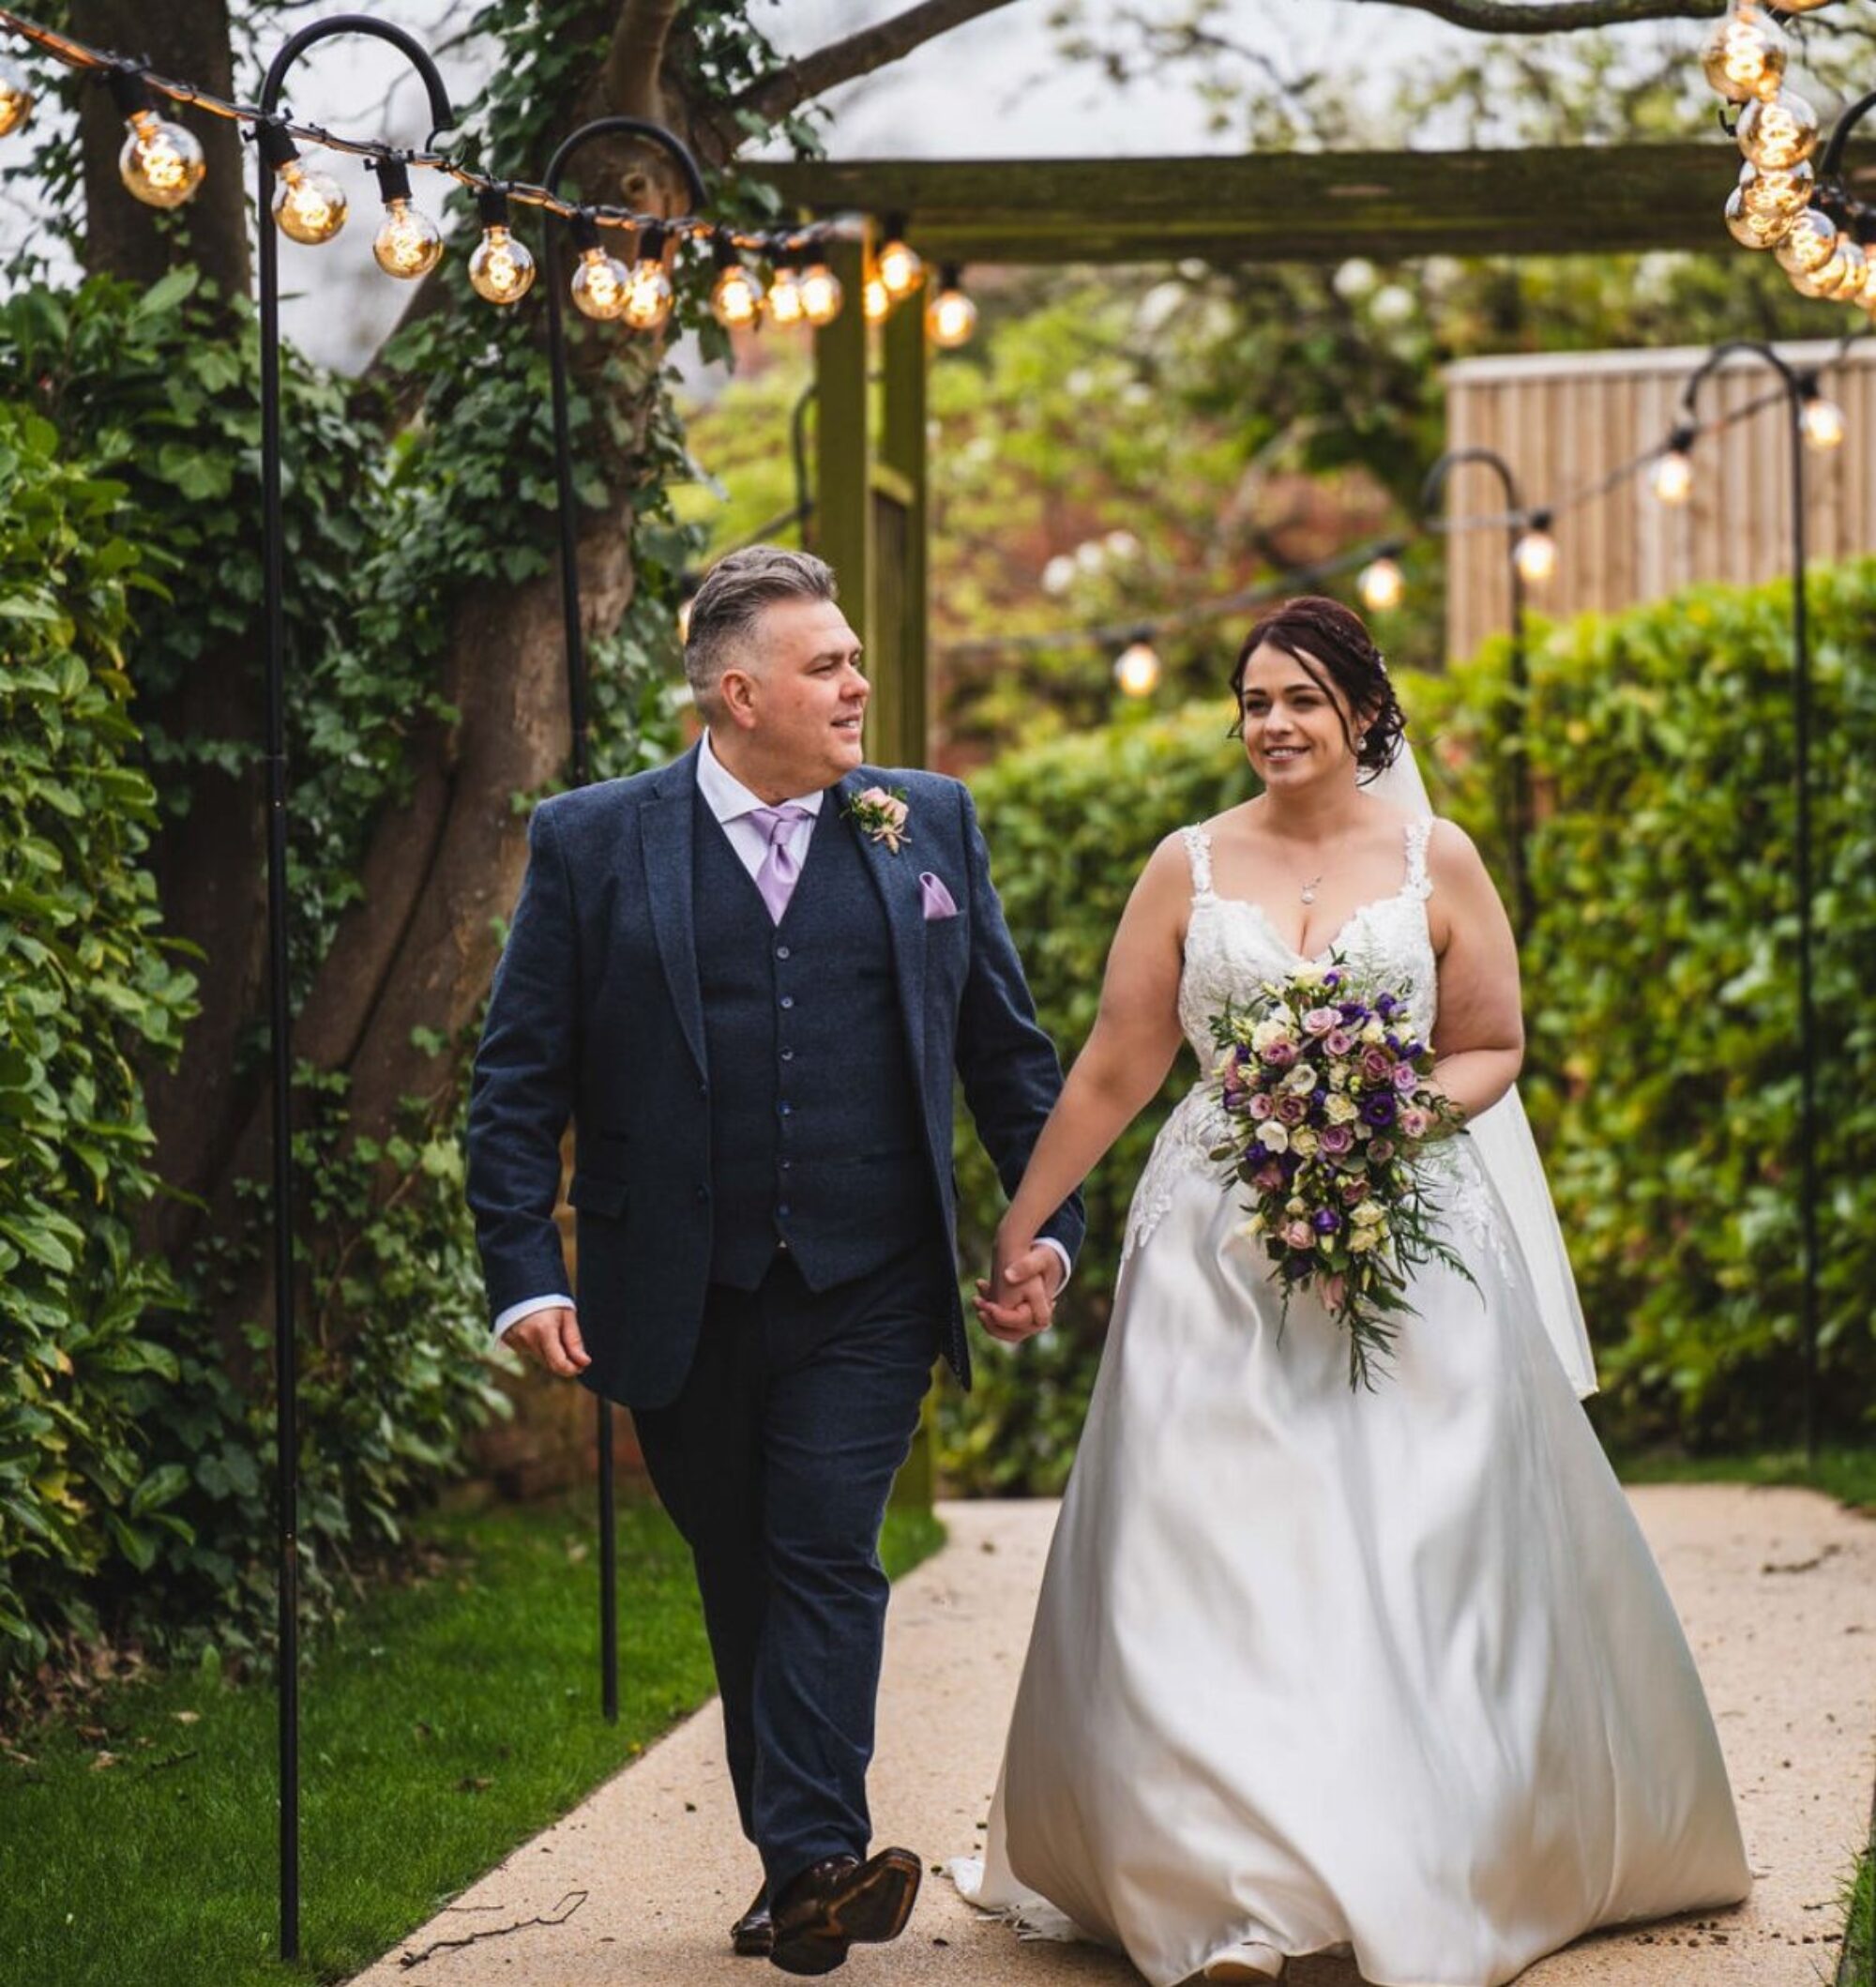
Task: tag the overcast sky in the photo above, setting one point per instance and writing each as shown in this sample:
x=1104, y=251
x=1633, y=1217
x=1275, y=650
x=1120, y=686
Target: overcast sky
x=996, y=88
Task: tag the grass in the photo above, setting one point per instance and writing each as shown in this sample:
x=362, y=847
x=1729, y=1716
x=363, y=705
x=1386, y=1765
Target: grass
x=448, y=1721
x=1848, y=1475
x=1857, y=1966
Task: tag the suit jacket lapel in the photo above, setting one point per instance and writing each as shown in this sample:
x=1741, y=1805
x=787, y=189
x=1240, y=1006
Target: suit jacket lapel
x=896, y=878
x=665, y=842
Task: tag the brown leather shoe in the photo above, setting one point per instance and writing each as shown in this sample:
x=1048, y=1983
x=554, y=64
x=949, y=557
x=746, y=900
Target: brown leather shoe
x=839, y=1902
x=752, y=1936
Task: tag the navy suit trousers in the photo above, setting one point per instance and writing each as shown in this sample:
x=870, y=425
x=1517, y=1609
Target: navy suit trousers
x=774, y=1463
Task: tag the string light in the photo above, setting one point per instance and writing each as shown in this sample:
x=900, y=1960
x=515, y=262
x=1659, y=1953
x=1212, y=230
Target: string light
x=1810, y=242
x=162, y=163
x=900, y=268
x=408, y=243
x=501, y=270
x=951, y=316
x=1778, y=133
x=649, y=294
x=736, y=296
x=307, y=206
x=1381, y=584
x=16, y=99
x=820, y=295
x=599, y=285
x=1672, y=476
x=785, y=306
x=1744, y=56
x=1137, y=667
x=1535, y=552
x=876, y=300
x=1822, y=420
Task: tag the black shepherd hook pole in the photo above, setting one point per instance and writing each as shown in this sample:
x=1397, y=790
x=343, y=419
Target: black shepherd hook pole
x=1517, y=522
x=1801, y=389
x=279, y=1020
x=576, y=705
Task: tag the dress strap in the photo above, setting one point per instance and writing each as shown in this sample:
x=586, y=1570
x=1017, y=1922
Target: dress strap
x=1418, y=882
x=1198, y=853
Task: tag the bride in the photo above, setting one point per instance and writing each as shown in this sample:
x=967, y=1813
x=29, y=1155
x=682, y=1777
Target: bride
x=1316, y=1669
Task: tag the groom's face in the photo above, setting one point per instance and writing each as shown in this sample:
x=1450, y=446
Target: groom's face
x=806, y=695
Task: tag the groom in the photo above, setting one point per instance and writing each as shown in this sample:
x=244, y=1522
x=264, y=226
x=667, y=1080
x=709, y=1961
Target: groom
x=748, y=979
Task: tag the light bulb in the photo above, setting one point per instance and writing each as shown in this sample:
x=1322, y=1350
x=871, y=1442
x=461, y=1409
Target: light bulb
x=1745, y=55
x=1536, y=553
x=1823, y=280
x=1823, y=421
x=501, y=270
x=950, y=316
x=876, y=299
x=1673, y=476
x=1778, y=133
x=900, y=268
x=1846, y=285
x=1810, y=242
x=1137, y=668
x=1382, y=585
x=307, y=206
x=785, y=305
x=1750, y=228
x=408, y=243
x=820, y=295
x=1787, y=193
x=16, y=99
x=649, y=296
x=600, y=284
x=163, y=164
x=737, y=297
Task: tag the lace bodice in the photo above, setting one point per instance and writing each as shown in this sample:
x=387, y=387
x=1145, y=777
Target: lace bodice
x=1230, y=947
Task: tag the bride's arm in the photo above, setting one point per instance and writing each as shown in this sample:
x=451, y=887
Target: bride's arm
x=1479, y=1036
x=1127, y=1053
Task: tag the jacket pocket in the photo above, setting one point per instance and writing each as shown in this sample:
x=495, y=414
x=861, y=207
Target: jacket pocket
x=595, y=1194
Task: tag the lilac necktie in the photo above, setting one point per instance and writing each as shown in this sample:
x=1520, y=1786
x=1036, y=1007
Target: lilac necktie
x=779, y=870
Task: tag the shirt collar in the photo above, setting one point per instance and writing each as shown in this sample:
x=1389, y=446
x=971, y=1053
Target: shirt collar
x=726, y=795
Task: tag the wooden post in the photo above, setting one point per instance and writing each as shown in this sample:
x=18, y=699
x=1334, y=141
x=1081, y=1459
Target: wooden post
x=902, y=689
x=842, y=522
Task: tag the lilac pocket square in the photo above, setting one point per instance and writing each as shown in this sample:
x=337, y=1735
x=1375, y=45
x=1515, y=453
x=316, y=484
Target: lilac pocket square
x=937, y=898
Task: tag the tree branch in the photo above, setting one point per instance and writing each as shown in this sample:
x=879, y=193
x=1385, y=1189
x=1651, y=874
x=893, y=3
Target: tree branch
x=860, y=54
x=635, y=60
x=1555, y=17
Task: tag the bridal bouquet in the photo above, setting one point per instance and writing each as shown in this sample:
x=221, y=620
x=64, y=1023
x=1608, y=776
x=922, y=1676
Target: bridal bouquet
x=1327, y=1093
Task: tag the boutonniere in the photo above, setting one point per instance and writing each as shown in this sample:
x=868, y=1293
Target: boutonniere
x=881, y=814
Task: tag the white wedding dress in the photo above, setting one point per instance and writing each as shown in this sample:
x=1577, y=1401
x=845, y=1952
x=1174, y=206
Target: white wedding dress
x=1387, y=1671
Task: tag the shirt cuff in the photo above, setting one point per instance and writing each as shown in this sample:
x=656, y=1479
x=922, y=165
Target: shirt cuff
x=526, y=1309
x=1049, y=1241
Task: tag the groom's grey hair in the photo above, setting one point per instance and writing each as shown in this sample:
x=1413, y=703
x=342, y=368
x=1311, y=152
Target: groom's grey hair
x=726, y=614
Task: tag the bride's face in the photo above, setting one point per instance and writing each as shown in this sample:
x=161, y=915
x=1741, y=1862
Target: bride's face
x=1297, y=729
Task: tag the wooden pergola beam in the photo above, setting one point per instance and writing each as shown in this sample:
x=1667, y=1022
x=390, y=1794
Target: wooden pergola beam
x=1296, y=206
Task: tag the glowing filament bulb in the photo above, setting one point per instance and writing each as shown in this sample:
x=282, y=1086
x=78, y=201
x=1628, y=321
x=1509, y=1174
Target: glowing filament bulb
x=1673, y=476
x=785, y=305
x=1137, y=668
x=1752, y=230
x=951, y=316
x=16, y=99
x=876, y=299
x=736, y=296
x=820, y=295
x=1823, y=422
x=163, y=164
x=1382, y=585
x=1778, y=133
x=1535, y=552
x=501, y=269
x=1787, y=193
x=1810, y=242
x=307, y=206
x=408, y=243
x=1744, y=56
x=600, y=284
x=649, y=296
x=900, y=268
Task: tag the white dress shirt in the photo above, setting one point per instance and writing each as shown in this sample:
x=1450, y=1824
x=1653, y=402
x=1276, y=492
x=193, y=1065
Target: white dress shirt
x=734, y=805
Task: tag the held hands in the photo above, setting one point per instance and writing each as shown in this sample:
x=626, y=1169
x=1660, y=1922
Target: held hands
x=1017, y=1300
x=551, y=1338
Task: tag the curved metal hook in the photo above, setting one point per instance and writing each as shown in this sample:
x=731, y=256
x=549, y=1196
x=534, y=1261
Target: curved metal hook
x=443, y=117
x=668, y=143
x=1452, y=459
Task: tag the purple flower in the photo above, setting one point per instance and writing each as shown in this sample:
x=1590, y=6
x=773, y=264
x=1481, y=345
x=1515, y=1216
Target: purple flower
x=1338, y=1041
x=1326, y=1221
x=1319, y=1020
x=1381, y=1150
x=1352, y=1010
x=1291, y=1109
x=1280, y=1055
x=1405, y=1077
x=1380, y=1108
x=1336, y=1139
x=1384, y=1007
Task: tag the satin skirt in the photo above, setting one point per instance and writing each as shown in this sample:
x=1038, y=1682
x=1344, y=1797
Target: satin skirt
x=1391, y=1672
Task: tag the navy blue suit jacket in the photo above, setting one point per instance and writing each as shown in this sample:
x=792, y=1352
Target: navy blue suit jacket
x=596, y=1016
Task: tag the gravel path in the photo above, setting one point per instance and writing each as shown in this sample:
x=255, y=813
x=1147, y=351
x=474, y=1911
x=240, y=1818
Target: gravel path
x=1777, y=1588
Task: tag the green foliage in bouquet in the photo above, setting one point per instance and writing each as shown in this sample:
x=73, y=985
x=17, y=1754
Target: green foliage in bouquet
x=1660, y=996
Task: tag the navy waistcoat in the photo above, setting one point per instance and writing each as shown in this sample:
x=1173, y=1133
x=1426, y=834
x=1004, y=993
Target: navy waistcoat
x=816, y=1138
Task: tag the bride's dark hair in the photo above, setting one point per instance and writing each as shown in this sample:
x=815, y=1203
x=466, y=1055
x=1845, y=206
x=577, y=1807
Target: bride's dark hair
x=1323, y=634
